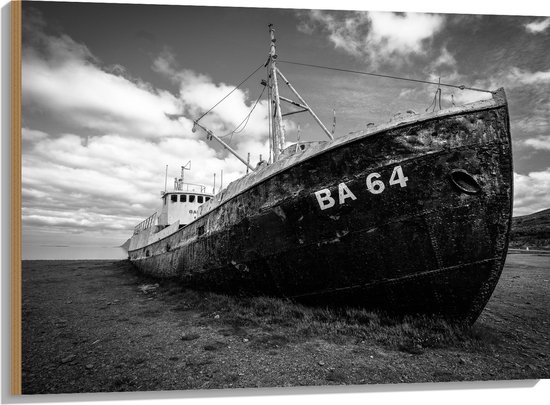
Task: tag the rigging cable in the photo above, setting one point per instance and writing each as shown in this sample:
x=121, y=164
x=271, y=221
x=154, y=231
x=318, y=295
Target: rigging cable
x=228, y=94
x=246, y=119
x=434, y=101
x=461, y=87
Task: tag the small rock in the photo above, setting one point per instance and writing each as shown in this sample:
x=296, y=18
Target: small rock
x=216, y=317
x=321, y=363
x=189, y=336
x=245, y=340
x=89, y=366
x=147, y=288
x=68, y=358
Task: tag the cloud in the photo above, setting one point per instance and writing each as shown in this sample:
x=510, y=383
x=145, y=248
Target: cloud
x=541, y=142
x=405, y=32
x=536, y=27
x=109, y=183
x=64, y=79
x=531, y=192
x=199, y=93
x=376, y=37
x=517, y=77
x=528, y=93
x=100, y=166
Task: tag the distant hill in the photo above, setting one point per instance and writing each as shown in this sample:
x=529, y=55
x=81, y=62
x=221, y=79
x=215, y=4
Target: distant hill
x=531, y=231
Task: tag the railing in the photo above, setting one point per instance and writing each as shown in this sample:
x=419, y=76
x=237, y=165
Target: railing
x=190, y=187
x=151, y=221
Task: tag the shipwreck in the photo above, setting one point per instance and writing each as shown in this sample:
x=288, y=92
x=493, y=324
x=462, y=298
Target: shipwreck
x=412, y=216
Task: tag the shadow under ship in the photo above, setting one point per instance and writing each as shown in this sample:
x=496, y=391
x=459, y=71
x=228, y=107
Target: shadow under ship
x=409, y=217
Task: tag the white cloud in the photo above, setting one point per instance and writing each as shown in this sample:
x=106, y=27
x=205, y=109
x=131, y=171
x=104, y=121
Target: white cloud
x=538, y=26
x=95, y=99
x=541, y=142
x=377, y=36
x=110, y=180
x=511, y=79
x=445, y=60
x=516, y=77
x=531, y=192
x=403, y=33
x=31, y=135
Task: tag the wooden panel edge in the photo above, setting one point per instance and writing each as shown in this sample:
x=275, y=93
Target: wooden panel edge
x=16, y=288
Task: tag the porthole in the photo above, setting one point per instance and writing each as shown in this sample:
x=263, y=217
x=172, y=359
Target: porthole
x=464, y=182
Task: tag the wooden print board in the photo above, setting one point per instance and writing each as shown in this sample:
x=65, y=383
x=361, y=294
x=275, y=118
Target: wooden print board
x=105, y=124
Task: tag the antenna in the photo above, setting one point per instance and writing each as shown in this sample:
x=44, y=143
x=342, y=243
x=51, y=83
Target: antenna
x=183, y=168
x=221, y=181
x=165, y=179
x=214, y=188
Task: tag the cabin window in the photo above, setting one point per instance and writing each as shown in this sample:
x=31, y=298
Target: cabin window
x=174, y=198
x=191, y=198
x=200, y=199
x=207, y=198
x=200, y=230
x=183, y=198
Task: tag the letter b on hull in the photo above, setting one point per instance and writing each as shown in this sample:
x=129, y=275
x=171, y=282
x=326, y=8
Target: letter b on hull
x=324, y=199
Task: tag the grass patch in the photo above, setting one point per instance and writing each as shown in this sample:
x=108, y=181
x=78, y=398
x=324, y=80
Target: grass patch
x=272, y=322
x=271, y=341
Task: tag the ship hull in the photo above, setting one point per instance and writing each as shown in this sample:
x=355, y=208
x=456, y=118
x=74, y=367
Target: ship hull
x=414, y=218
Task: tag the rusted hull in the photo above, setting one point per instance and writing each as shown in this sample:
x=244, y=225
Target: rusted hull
x=431, y=243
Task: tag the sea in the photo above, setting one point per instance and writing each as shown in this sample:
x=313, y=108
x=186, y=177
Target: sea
x=65, y=252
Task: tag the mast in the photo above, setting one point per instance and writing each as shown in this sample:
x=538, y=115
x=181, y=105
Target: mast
x=277, y=138
x=278, y=132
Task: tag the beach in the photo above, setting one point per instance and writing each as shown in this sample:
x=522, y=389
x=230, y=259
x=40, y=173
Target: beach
x=99, y=326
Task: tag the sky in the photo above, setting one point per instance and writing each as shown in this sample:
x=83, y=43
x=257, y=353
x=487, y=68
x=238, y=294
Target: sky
x=100, y=81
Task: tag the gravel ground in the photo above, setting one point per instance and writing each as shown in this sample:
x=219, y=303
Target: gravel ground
x=98, y=326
